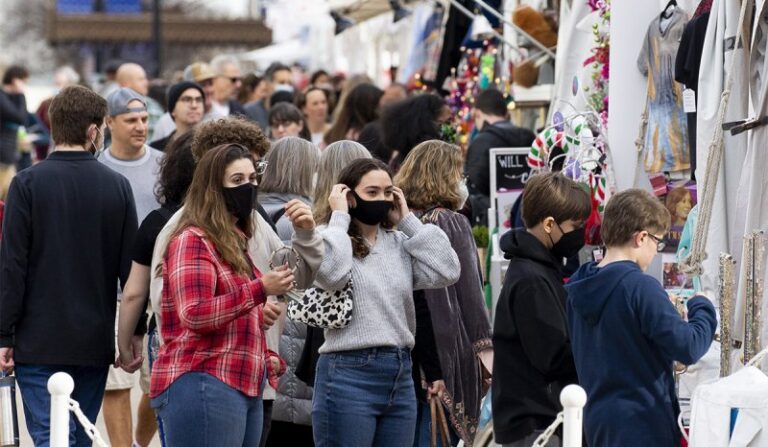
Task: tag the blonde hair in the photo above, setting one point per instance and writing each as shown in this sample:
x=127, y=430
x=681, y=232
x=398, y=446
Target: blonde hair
x=333, y=160
x=302, y=156
x=430, y=175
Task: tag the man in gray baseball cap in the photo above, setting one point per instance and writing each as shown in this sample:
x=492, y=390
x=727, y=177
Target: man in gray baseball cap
x=118, y=102
x=128, y=154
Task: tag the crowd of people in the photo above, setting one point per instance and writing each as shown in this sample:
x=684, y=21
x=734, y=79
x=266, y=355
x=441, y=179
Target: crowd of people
x=218, y=204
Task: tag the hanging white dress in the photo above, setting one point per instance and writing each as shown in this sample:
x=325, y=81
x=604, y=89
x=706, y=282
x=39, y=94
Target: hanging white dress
x=574, y=44
x=752, y=195
x=716, y=57
x=712, y=415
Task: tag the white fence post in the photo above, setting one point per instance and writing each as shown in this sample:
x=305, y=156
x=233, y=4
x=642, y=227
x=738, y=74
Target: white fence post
x=573, y=398
x=60, y=385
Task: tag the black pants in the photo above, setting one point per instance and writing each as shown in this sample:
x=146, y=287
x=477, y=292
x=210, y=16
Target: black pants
x=267, y=422
x=289, y=434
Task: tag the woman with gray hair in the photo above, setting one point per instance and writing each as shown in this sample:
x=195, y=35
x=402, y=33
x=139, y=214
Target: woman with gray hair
x=278, y=187
x=334, y=159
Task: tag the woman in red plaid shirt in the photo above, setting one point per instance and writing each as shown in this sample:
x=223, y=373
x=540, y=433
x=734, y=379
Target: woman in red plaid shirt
x=209, y=375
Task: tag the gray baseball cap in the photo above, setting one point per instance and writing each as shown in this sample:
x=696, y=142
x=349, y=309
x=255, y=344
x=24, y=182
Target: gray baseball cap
x=117, y=102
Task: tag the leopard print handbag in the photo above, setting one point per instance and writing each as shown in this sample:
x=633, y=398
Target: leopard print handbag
x=324, y=309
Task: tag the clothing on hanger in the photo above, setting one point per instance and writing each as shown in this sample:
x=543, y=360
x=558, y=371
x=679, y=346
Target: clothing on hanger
x=687, y=66
x=666, y=134
x=704, y=7
x=714, y=423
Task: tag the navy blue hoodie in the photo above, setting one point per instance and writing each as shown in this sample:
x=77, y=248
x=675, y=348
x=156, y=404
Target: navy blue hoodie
x=625, y=335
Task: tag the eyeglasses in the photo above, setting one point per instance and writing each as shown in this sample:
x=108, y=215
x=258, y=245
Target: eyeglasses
x=660, y=245
x=261, y=165
x=192, y=99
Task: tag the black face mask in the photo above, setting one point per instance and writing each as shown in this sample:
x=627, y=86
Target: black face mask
x=569, y=244
x=240, y=201
x=370, y=212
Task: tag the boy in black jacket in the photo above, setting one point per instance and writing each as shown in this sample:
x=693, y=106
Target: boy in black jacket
x=533, y=360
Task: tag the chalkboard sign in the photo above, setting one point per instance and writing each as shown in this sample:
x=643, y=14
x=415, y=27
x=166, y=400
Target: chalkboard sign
x=509, y=169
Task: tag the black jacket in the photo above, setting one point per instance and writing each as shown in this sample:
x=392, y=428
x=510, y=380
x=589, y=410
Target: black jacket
x=502, y=134
x=162, y=143
x=532, y=351
x=235, y=108
x=68, y=232
x=13, y=113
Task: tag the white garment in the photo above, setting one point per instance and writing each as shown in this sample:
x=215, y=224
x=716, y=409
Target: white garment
x=723, y=236
x=218, y=111
x=164, y=127
x=752, y=209
x=746, y=390
x=317, y=138
x=575, y=42
x=706, y=370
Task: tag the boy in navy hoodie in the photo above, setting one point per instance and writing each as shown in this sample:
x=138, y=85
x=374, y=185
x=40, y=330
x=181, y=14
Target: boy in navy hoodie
x=625, y=332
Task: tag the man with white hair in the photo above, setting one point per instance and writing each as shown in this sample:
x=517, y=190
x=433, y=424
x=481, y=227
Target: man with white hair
x=226, y=83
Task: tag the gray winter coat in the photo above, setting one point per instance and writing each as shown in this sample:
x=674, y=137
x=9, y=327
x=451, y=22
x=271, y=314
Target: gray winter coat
x=294, y=397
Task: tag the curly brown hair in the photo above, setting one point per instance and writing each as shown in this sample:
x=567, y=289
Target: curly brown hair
x=176, y=170
x=229, y=130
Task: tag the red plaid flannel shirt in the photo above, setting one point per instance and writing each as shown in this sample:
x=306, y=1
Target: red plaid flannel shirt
x=211, y=318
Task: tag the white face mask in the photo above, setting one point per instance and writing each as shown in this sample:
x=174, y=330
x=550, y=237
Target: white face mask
x=97, y=148
x=463, y=193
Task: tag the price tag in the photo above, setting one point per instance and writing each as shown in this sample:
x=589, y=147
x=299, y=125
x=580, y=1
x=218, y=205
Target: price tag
x=689, y=101
x=597, y=254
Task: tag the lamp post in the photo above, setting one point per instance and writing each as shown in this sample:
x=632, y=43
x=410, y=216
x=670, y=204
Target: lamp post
x=157, y=37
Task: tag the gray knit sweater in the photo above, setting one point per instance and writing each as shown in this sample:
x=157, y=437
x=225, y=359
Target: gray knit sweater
x=416, y=257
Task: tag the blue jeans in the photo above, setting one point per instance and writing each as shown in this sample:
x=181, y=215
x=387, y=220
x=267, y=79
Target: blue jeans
x=201, y=410
x=89, y=392
x=364, y=398
x=424, y=428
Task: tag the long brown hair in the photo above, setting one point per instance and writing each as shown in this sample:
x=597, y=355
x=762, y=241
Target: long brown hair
x=205, y=206
x=351, y=176
x=359, y=108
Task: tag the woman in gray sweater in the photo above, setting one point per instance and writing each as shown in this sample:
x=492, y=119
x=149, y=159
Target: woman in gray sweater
x=364, y=393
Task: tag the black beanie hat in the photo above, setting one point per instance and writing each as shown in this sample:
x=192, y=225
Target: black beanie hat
x=175, y=91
